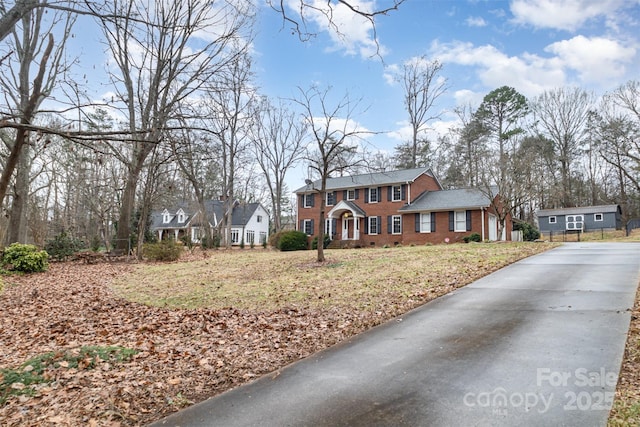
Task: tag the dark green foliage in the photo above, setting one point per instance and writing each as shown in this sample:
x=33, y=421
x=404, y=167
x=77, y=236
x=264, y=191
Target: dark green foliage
x=529, y=232
x=25, y=258
x=63, y=246
x=167, y=250
x=473, y=237
x=32, y=371
x=210, y=242
x=327, y=241
x=292, y=241
x=96, y=243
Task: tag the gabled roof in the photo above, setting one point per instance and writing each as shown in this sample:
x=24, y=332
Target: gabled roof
x=242, y=213
x=368, y=180
x=579, y=210
x=446, y=200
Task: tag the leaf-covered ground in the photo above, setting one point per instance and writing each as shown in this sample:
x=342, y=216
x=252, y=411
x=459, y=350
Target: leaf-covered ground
x=183, y=355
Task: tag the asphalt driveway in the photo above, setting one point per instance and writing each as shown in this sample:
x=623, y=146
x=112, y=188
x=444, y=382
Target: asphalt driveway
x=538, y=343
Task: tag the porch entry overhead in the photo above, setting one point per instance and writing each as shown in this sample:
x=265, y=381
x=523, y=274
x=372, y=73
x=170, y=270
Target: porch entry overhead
x=349, y=215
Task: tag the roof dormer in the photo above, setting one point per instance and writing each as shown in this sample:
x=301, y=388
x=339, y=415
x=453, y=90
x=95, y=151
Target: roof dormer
x=166, y=217
x=181, y=216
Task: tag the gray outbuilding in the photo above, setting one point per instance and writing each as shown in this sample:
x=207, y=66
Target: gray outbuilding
x=585, y=218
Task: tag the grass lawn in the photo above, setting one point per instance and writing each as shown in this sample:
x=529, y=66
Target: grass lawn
x=355, y=279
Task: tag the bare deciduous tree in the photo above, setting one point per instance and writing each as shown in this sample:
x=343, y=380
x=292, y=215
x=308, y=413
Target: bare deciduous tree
x=333, y=137
x=562, y=115
x=278, y=138
x=27, y=85
x=159, y=67
x=422, y=85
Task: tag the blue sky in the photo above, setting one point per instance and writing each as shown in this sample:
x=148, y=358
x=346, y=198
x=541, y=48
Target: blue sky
x=531, y=45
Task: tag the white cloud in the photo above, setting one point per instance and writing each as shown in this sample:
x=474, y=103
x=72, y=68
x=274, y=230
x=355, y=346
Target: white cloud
x=529, y=74
x=351, y=33
x=594, y=59
x=566, y=15
x=476, y=21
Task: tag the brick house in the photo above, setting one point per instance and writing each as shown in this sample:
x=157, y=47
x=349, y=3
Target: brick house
x=396, y=207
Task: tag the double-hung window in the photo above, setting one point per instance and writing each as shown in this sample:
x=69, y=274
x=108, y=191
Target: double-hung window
x=425, y=222
x=396, y=193
x=351, y=194
x=308, y=200
x=460, y=219
x=331, y=198
x=374, y=197
x=374, y=227
x=396, y=224
x=307, y=226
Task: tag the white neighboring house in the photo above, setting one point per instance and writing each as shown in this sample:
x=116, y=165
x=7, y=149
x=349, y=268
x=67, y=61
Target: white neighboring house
x=250, y=222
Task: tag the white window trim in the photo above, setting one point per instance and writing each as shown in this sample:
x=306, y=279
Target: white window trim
x=304, y=226
x=393, y=193
x=455, y=222
x=304, y=204
x=553, y=220
x=377, y=225
x=351, y=195
x=595, y=217
x=166, y=218
x=393, y=224
x=575, y=222
x=326, y=199
x=377, y=195
x=422, y=223
x=235, y=233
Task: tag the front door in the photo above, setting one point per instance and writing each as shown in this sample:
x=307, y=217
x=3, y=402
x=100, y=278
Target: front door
x=493, y=227
x=347, y=224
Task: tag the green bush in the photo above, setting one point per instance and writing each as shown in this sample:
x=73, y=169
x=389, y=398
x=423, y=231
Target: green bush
x=167, y=250
x=25, y=258
x=314, y=242
x=63, y=246
x=473, y=237
x=529, y=232
x=95, y=244
x=292, y=241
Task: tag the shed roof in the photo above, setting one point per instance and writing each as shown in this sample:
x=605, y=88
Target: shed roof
x=463, y=198
x=579, y=210
x=368, y=180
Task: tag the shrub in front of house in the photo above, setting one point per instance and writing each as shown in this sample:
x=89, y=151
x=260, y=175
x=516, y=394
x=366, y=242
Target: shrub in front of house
x=292, y=241
x=25, y=258
x=473, y=237
x=327, y=241
x=529, y=232
x=166, y=250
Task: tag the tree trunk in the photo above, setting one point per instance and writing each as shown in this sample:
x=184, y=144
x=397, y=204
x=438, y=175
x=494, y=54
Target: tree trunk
x=18, y=215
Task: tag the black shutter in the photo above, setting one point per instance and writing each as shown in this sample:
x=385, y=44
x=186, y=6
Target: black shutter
x=313, y=200
x=344, y=194
x=433, y=222
x=357, y=193
x=302, y=200
x=468, y=220
x=366, y=225
x=389, y=224
x=334, y=227
x=417, y=223
x=403, y=191
x=389, y=192
x=366, y=195
x=379, y=220
x=451, y=221
x=301, y=226
x=379, y=194
x=313, y=230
